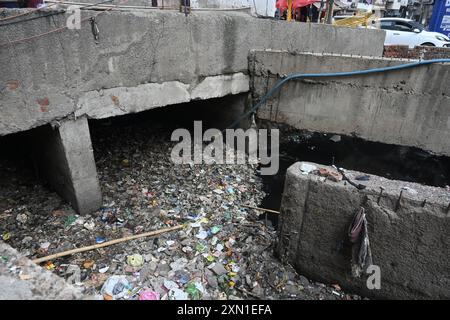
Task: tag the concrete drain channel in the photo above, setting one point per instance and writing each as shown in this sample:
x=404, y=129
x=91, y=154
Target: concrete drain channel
x=405, y=197
x=389, y=161
x=227, y=249
x=99, y=198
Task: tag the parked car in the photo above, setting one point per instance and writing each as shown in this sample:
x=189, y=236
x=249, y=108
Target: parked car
x=409, y=32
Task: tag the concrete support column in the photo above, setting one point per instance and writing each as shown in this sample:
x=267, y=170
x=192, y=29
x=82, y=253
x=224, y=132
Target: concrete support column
x=66, y=159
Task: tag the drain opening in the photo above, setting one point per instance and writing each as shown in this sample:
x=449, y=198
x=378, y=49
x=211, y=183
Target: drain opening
x=389, y=161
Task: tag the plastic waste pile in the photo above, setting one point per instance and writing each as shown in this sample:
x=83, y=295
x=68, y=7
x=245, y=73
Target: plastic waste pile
x=224, y=250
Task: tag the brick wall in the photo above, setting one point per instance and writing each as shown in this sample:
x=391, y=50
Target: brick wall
x=419, y=52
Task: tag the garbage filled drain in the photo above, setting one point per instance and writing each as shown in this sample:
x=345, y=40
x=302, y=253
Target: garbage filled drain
x=226, y=249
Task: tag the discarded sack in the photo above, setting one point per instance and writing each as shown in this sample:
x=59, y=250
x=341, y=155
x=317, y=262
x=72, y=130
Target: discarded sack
x=359, y=237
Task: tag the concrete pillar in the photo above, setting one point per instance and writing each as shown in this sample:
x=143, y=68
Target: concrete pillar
x=65, y=158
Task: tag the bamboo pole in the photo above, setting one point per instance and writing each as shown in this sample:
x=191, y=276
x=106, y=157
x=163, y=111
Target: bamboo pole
x=289, y=11
x=105, y=244
x=261, y=209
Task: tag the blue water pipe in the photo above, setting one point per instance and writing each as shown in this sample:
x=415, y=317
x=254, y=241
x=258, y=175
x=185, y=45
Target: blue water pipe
x=298, y=75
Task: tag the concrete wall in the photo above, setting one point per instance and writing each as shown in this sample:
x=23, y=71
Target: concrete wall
x=411, y=245
x=409, y=107
x=143, y=60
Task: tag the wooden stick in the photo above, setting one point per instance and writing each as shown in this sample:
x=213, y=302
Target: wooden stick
x=105, y=244
x=261, y=209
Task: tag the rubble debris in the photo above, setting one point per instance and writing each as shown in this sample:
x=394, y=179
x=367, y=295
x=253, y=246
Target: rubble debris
x=100, y=240
x=356, y=185
x=135, y=260
x=362, y=177
x=335, y=138
x=115, y=287
x=20, y=279
x=307, y=168
x=330, y=174
x=88, y=264
x=148, y=295
x=217, y=249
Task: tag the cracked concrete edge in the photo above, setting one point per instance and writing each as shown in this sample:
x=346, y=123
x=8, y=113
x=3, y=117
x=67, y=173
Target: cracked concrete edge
x=21, y=279
x=117, y=101
x=415, y=192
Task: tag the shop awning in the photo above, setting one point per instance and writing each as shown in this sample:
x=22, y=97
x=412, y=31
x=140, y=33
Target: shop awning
x=283, y=4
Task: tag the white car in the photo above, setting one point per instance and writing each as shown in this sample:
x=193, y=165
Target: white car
x=409, y=32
